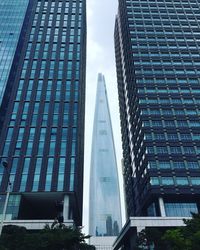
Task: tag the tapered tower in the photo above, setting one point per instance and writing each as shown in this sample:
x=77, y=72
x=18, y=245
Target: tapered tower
x=105, y=212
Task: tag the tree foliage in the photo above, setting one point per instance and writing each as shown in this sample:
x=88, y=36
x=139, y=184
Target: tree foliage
x=58, y=237
x=187, y=237
x=182, y=238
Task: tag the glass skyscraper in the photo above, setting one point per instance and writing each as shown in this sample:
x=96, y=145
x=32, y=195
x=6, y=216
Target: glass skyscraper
x=42, y=136
x=104, y=210
x=12, y=14
x=158, y=68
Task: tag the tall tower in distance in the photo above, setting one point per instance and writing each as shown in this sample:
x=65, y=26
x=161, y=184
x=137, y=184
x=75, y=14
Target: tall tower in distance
x=104, y=209
x=42, y=121
x=158, y=65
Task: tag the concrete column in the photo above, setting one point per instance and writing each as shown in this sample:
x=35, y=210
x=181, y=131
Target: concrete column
x=162, y=207
x=66, y=208
x=139, y=229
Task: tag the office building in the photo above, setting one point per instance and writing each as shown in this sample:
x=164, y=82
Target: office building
x=104, y=207
x=42, y=134
x=158, y=66
x=12, y=14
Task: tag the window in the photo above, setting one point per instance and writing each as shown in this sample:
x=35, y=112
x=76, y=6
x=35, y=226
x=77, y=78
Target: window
x=157, y=123
x=172, y=137
x=61, y=174
x=73, y=152
x=164, y=165
x=193, y=164
x=71, y=186
x=13, y=206
x=178, y=164
x=186, y=137
x=189, y=150
x=195, y=180
x=63, y=148
x=154, y=181
x=161, y=150
x=38, y=166
x=148, y=136
x=25, y=174
x=13, y=170
x=180, y=209
x=152, y=164
x=167, y=181
x=49, y=174
x=182, y=124
x=159, y=136
x=182, y=181
x=169, y=123
x=175, y=150
x=29, y=147
x=150, y=150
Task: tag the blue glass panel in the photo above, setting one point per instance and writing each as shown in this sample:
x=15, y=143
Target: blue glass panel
x=180, y=209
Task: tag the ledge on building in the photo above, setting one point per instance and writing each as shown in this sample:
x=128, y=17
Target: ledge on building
x=35, y=224
x=134, y=225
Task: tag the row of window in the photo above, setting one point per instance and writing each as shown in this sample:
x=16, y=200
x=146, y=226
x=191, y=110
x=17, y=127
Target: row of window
x=175, y=209
x=59, y=74
x=165, y=55
x=46, y=106
x=174, y=165
x=173, y=150
x=168, y=81
x=171, y=137
x=164, y=46
x=170, y=181
x=170, y=112
x=36, y=64
x=41, y=142
x=38, y=171
x=169, y=101
x=171, y=60
x=156, y=17
x=58, y=10
x=46, y=118
x=165, y=71
x=168, y=90
x=171, y=123
x=158, y=23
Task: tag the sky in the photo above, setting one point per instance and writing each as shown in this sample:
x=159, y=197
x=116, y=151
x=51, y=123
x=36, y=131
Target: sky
x=100, y=58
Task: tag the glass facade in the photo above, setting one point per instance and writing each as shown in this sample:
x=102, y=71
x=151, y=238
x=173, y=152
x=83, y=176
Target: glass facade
x=105, y=219
x=12, y=14
x=43, y=132
x=157, y=56
x=180, y=209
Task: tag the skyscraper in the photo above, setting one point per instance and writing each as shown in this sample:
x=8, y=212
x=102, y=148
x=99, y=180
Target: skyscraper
x=158, y=66
x=105, y=211
x=43, y=130
x=12, y=14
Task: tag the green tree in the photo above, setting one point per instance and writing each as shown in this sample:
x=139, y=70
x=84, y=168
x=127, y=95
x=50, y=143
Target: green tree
x=150, y=238
x=174, y=240
x=58, y=237
x=182, y=238
x=187, y=238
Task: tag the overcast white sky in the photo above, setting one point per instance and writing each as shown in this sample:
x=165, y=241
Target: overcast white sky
x=100, y=58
